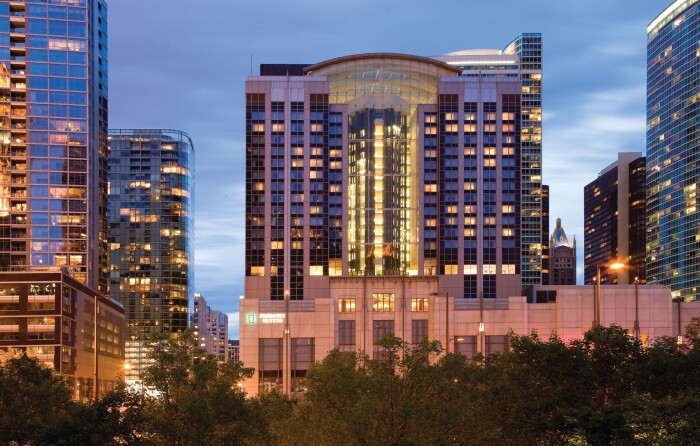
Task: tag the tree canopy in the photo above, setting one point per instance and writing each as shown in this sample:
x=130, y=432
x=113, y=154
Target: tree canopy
x=604, y=389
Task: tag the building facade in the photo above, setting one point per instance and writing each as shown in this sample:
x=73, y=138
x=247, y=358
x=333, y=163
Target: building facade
x=211, y=327
x=151, y=174
x=562, y=257
x=391, y=169
x=283, y=338
x=234, y=350
x=545, y=236
x=614, y=225
x=51, y=316
x=672, y=143
x=53, y=138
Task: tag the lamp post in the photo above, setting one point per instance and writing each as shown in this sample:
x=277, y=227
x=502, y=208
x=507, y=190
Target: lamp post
x=598, y=268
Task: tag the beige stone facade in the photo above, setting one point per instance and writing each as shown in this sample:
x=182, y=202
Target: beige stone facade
x=280, y=339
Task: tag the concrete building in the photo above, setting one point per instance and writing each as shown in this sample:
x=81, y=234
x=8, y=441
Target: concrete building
x=282, y=338
x=211, y=327
x=53, y=138
x=562, y=257
x=151, y=232
x=234, y=350
x=673, y=174
x=51, y=316
x=614, y=221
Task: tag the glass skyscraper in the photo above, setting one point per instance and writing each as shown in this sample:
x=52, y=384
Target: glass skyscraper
x=151, y=184
x=673, y=173
x=53, y=137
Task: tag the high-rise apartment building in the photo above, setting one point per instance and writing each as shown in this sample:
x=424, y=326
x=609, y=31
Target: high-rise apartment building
x=395, y=173
x=53, y=138
x=673, y=220
x=211, y=327
x=562, y=257
x=151, y=182
x=545, y=236
x=614, y=212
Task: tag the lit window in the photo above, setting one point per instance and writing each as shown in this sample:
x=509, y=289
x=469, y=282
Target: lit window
x=275, y=127
x=509, y=151
x=257, y=270
x=508, y=232
x=430, y=119
x=508, y=116
x=277, y=244
x=346, y=305
x=508, y=208
x=489, y=269
x=382, y=302
x=508, y=269
x=451, y=269
x=419, y=304
x=490, y=151
x=490, y=162
x=469, y=151
x=316, y=270
x=470, y=270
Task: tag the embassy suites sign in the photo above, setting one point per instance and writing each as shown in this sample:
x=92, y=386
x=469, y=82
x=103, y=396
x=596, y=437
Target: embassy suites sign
x=266, y=318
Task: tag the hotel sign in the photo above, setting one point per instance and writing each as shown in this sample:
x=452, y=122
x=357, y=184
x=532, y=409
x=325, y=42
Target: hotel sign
x=272, y=318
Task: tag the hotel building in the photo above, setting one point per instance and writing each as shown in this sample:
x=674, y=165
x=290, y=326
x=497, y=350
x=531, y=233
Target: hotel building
x=53, y=138
x=614, y=217
x=151, y=182
x=381, y=184
x=673, y=220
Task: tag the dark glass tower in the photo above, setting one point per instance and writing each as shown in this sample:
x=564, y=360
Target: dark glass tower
x=151, y=175
x=53, y=138
x=673, y=174
x=614, y=229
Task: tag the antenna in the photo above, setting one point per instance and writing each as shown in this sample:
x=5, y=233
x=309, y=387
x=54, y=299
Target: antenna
x=251, y=64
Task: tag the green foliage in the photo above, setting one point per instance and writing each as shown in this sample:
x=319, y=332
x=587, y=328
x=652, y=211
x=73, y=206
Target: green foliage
x=605, y=389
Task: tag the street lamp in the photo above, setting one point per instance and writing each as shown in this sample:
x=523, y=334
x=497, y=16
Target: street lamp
x=614, y=266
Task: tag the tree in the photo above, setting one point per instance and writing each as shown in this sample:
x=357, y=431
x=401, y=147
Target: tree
x=35, y=403
x=197, y=398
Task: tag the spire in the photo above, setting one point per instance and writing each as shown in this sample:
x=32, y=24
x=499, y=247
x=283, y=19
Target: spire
x=559, y=237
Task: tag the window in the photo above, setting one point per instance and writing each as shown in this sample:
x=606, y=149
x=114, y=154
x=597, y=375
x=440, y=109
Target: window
x=495, y=344
x=381, y=329
x=466, y=345
x=382, y=302
x=489, y=269
x=9, y=303
x=470, y=270
x=346, y=305
x=419, y=330
x=508, y=269
x=257, y=270
x=419, y=304
x=316, y=270
x=346, y=332
x=451, y=269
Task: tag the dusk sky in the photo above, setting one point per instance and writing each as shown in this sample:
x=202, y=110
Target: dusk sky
x=179, y=64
